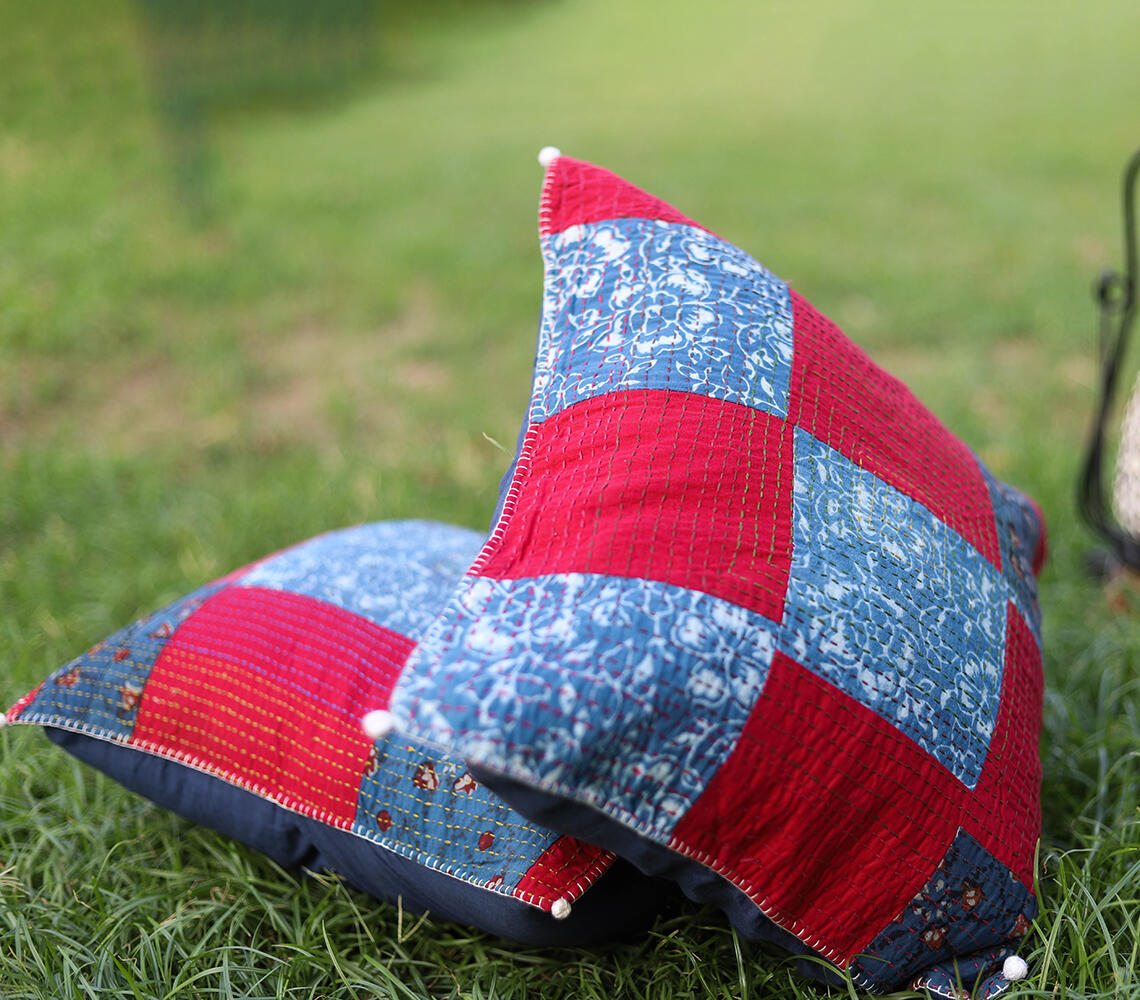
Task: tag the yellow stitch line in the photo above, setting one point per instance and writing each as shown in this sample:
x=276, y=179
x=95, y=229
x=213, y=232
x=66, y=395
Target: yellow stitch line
x=265, y=687
x=257, y=721
x=460, y=834
x=100, y=691
x=254, y=766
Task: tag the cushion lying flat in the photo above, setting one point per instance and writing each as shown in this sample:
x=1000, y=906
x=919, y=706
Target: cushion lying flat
x=240, y=705
x=749, y=615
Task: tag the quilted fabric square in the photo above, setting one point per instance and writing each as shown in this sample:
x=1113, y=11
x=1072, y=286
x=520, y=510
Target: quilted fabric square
x=749, y=615
x=239, y=706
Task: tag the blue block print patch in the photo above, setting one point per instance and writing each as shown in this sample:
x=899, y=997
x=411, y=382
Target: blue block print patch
x=568, y=655
x=354, y=568
x=640, y=304
x=896, y=609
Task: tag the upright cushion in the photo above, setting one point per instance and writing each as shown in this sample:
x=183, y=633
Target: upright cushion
x=749, y=614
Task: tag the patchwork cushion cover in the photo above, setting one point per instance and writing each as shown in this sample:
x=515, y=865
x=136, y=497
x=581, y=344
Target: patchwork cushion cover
x=239, y=706
x=749, y=615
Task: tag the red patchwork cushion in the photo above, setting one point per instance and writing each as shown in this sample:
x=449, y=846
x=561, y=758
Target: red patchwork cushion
x=750, y=615
x=240, y=706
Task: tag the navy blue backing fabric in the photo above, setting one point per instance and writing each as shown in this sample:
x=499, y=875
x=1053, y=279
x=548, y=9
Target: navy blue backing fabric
x=622, y=904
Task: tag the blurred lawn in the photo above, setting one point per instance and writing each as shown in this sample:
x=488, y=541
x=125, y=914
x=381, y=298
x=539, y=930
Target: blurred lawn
x=302, y=306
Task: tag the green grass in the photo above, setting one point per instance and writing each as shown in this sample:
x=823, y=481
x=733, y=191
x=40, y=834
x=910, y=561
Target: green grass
x=314, y=310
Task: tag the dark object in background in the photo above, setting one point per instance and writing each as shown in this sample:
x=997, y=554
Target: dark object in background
x=1116, y=296
x=224, y=53
x=225, y=49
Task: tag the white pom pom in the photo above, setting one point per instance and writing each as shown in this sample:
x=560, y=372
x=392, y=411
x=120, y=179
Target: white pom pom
x=378, y=724
x=561, y=909
x=1014, y=968
x=3, y=720
x=547, y=155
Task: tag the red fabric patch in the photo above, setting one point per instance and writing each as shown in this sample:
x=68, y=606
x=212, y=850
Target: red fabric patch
x=1006, y=817
x=826, y=815
x=278, y=710
x=14, y=712
x=565, y=870
x=576, y=193
x=839, y=395
x=658, y=485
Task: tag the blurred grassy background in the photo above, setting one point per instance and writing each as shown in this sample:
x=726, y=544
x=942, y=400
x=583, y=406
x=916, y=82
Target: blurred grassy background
x=273, y=269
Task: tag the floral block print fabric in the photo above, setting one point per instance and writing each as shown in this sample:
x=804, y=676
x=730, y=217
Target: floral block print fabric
x=240, y=705
x=749, y=614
